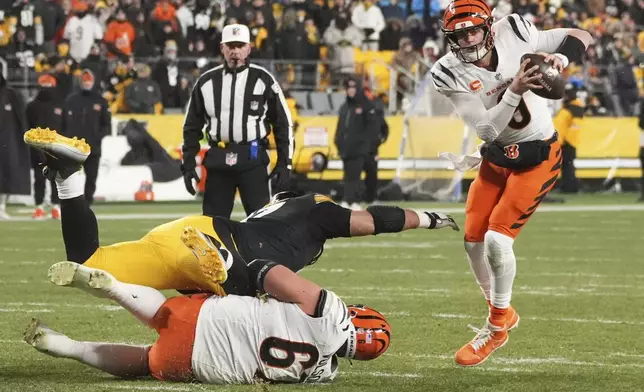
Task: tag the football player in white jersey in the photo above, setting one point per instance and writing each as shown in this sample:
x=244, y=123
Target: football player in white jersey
x=521, y=159
x=295, y=336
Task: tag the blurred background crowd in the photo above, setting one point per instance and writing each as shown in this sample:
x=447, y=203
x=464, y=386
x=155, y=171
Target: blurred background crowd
x=145, y=54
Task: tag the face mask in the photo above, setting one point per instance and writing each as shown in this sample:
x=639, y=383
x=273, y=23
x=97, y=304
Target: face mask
x=341, y=23
x=47, y=92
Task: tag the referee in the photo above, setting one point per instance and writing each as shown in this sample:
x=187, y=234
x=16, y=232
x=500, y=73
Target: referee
x=237, y=102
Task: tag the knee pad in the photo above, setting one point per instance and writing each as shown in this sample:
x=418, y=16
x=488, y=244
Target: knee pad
x=387, y=219
x=498, y=249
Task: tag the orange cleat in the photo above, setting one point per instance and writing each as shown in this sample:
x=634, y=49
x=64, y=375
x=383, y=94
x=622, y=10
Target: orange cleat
x=39, y=214
x=512, y=319
x=55, y=213
x=487, y=340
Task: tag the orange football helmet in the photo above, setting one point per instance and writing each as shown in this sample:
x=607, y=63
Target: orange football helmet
x=372, y=334
x=463, y=16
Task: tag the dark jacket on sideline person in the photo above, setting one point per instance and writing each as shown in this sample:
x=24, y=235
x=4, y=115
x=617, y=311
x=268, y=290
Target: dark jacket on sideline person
x=357, y=126
x=87, y=115
x=15, y=163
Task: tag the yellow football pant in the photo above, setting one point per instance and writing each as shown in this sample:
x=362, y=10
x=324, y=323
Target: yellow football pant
x=159, y=259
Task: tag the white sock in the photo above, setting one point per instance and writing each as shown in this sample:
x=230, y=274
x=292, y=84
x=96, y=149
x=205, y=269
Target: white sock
x=143, y=302
x=503, y=266
x=122, y=360
x=476, y=256
x=3, y=201
x=70, y=187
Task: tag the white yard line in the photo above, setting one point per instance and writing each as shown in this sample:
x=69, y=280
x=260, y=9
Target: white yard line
x=452, y=272
x=449, y=210
x=546, y=319
x=379, y=244
x=20, y=306
x=382, y=374
x=528, y=361
x=189, y=387
x=639, y=356
x=6, y=310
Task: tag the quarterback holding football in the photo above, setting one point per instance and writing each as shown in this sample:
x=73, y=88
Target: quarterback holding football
x=501, y=97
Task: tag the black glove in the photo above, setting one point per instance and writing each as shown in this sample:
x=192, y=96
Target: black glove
x=188, y=176
x=280, y=178
x=368, y=32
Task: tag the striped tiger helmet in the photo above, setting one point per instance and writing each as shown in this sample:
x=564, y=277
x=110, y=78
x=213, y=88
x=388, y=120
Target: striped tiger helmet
x=462, y=17
x=371, y=336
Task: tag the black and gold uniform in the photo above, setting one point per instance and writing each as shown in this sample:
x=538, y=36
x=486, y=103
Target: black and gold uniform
x=291, y=230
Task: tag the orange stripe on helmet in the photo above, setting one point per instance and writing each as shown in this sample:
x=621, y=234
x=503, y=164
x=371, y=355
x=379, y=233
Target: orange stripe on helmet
x=462, y=14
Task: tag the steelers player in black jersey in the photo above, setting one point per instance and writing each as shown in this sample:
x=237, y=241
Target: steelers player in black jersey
x=203, y=253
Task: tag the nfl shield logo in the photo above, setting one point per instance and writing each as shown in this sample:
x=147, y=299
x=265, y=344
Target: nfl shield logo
x=236, y=31
x=231, y=158
x=254, y=105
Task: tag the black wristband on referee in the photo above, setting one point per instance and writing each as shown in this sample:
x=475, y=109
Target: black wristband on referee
x=573, y=48
x=258, y=269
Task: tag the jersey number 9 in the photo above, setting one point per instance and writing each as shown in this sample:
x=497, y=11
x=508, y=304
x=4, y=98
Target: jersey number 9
x=289, y=350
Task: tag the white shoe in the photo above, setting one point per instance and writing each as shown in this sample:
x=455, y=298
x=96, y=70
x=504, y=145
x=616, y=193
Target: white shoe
x=38, y=335
x=355, y=207
x=4, y=215
x=94, y=281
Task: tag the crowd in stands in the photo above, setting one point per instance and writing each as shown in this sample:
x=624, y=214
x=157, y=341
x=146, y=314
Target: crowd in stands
x=147, y=53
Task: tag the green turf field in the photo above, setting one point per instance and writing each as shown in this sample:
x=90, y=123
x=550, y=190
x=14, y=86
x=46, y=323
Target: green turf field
x=579, y=291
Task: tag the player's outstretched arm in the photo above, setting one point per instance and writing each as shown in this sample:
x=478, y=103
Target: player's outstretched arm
x=335, y=221
x=284, y=284
x=390, y=219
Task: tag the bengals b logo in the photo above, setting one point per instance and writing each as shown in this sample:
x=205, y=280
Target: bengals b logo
x=512, y=151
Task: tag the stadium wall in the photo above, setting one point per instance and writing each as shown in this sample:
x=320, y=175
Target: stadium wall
x=605, y=144
x=608, y=148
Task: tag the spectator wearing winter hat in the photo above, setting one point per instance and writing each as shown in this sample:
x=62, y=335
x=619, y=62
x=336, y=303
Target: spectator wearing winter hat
x=120, y=36
x=341, y=37
x=167, y=74
x=96, y=63
x=144, y=44
x=143, y=96
x=86, y=115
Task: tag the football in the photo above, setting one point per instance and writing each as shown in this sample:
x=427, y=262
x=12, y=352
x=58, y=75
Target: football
x=553, y=83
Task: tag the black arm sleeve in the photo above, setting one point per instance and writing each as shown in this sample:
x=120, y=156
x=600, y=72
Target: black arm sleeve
x=279, y=116
x=193, y=127
x=331, y=220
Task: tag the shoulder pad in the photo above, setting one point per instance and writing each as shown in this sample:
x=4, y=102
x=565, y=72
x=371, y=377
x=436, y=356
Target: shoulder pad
x=513, y=25
x=447, y=75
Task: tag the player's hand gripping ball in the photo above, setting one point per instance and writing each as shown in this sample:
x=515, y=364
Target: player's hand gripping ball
x=553, y=83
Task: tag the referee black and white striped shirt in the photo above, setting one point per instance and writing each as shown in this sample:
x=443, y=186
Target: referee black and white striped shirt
x=238, y=106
